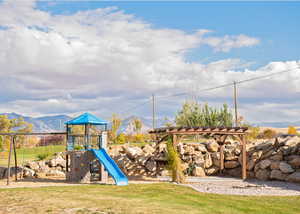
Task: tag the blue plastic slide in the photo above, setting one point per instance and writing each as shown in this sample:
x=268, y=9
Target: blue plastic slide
x=111, y=167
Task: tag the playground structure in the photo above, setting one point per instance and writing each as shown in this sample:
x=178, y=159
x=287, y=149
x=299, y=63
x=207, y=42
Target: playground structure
x=86, y=156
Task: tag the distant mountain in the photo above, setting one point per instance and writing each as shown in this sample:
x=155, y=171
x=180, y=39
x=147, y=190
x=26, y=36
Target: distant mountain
x=278, y=124
x=43, y=124
x=56, y=123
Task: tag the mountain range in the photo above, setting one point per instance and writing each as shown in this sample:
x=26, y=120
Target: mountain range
x=56, y=123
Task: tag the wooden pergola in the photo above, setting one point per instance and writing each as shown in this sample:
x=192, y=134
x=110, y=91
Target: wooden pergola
x=218, y=133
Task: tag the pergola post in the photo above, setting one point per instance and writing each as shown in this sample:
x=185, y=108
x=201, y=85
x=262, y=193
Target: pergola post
x=174, y=140
x=221, y=142
x=244, y=158
x=221, y=158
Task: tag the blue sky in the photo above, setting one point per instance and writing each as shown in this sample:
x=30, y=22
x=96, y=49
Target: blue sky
x=107, y=57
x=275, y=23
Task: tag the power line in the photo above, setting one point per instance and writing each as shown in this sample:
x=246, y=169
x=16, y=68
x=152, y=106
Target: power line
x=229, y=84
x=134, y=107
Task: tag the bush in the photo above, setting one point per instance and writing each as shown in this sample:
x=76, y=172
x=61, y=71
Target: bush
x=268, y=134
x=78, y=147
x=174, y=163
x=139, y=138
x=121, y=138
x=292, y=130
x=253, y=133
x=43, y=156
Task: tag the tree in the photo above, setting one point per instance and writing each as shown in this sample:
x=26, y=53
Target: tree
x=137, y=125
x=13, y=125
x=194, y=114
x=167, y=122
x=268, y=134
x=116, y=123
x=292, y=130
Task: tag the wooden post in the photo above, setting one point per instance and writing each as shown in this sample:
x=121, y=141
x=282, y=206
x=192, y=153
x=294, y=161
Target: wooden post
x=235, y=104
x=9, y=158
x=174, y=139
x=221, y=158
x=16, y=161
x=244, y=157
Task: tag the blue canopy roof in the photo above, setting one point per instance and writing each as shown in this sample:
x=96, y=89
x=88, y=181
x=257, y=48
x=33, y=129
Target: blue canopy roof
x=86, y=118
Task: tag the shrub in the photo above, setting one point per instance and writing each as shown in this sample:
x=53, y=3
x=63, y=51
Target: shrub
x=174, y=163
x=121, y=138
x=78, y=147
x=43, y=156
x=292, y=130
x=253, y=133
x=269, y=133
x=139, y=138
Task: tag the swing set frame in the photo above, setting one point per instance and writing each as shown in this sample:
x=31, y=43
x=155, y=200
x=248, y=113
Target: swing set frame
x=12, y=148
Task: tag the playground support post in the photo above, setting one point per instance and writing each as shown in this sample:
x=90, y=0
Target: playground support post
x=9, y=158
x=15, y=155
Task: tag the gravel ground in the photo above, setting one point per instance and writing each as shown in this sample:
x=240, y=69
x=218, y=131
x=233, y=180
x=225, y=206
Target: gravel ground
x=232, y=186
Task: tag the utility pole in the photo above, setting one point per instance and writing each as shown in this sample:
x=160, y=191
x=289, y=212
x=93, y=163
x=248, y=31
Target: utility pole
x=235, y=103
x=153, y=111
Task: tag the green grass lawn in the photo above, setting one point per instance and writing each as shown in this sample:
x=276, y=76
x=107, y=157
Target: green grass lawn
x=138, y=198
x=29, y=154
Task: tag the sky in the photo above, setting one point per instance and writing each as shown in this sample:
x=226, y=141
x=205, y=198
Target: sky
x=105, y=57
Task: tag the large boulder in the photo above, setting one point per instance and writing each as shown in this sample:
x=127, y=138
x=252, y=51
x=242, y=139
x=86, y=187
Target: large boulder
x=57, y=161
x=151, y=165
x=28, y=173
x=278, y=175
x=2, y=172
x=292, y=141
x=278, y=156
x=275, y=165
x=115, y=150
x=235, y=172
x=230, y=155
x=262, y=174
x=148, y=149
x=208, y=161
x=201, y=148
x=216, y=158
x=133, y=152
x=199, y=172
x=251, y=164
x=189, y=150
x=212, y=171
x=199, y=160
x=213, y=146
x=142, y=160
x=180, y=148
x=162, y=148
x=294, y=177
x=264, y=164
x=257, y=155
x=54, y=172
x=32, y=165
x=295, y=162
x=285, y=167
x=231, y=164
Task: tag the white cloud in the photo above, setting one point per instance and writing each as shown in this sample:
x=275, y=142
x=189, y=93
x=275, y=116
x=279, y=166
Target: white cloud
x=226, y=43
x=106, y=61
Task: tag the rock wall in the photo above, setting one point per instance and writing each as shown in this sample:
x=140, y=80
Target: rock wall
x=276, y=159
